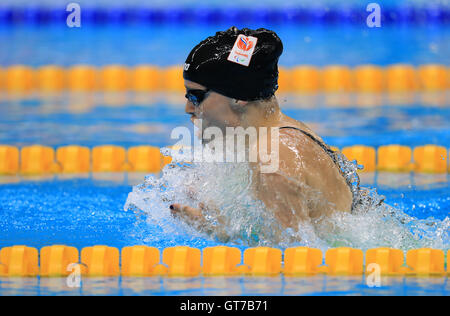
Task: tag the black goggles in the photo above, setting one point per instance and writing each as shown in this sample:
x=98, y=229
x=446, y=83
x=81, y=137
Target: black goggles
x=196, y=96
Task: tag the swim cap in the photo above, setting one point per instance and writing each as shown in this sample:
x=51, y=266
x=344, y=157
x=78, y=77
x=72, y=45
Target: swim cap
x=240, y=64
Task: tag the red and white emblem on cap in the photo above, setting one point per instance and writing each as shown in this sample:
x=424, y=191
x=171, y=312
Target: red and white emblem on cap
x=243, y=49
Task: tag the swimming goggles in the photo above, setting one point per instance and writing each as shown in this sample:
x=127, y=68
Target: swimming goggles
x=196, y=96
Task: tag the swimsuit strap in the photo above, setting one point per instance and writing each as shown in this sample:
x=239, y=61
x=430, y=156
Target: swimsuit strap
x=332, y=154
x=327, y=149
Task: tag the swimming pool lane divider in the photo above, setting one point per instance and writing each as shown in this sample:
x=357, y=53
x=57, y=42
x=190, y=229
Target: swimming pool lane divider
x=183, y=261
x=396, y=78
x=203, y=14
x=73, y=159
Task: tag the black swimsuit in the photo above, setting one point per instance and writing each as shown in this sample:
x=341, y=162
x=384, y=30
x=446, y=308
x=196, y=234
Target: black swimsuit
x=334, y=156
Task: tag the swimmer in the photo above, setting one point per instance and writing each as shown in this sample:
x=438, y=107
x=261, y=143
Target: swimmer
x=231, y=79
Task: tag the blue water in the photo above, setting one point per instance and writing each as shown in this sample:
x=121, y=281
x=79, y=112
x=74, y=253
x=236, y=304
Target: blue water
x=63, y=121
x=314, y=285
x=86, y=212
x=169, y=44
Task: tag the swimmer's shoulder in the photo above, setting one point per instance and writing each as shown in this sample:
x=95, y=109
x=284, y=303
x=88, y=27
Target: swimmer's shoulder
x=294, y=152
x=295, y=139
x=300, y=152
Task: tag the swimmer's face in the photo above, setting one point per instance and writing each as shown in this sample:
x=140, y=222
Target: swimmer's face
x=215, y=110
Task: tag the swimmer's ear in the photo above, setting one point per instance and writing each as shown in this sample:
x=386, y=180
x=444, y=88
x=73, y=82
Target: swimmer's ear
x=238, y=106
x=240, y=103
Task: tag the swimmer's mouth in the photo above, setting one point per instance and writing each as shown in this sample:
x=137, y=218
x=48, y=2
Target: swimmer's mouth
x=193, y=117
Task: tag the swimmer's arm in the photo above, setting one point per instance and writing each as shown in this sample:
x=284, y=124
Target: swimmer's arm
x=187, y=212
x=284, y=191
x=282, y=194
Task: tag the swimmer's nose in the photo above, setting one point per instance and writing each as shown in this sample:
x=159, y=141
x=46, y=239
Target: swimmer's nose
x=189, y=109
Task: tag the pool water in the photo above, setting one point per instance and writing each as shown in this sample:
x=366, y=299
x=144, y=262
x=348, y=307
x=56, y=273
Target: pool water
x=87, y=212
x=90, y=210
x=132, y=119
x=315, y=44
x=227, y=286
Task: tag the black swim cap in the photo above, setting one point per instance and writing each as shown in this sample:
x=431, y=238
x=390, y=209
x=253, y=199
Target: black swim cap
x=240, y=64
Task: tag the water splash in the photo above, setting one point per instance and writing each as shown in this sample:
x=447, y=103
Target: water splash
x=245, y=220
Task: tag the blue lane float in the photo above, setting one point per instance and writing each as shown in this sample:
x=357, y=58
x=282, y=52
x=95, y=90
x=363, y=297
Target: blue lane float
x=400, y=14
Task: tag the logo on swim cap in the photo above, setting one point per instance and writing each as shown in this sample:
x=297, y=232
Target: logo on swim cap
x=243, y=49
x=245, y=43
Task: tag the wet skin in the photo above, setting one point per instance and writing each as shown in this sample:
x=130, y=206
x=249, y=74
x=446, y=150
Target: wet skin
x=307, y=186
